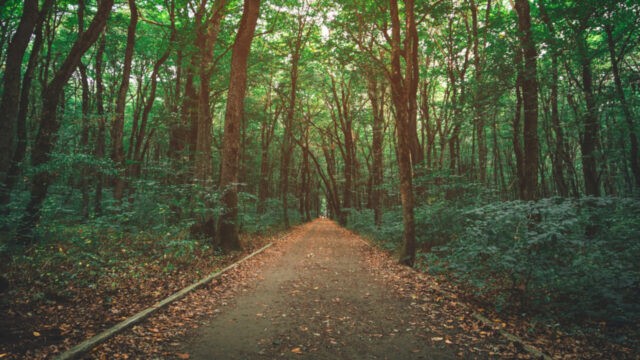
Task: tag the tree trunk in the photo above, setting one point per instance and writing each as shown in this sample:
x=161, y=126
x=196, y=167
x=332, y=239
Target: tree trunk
x=100, y=136
x=517, y=128
x=84, y=141
x=228, y=223
x=376, y=97
x=403, y=92
x=267, y=129
x=10, y=102
x=49, y=122
x=626, y=109
x=206, y=39
x=23, y=109
x=288, y=125
x=559, y=158
x=589, y=141
x=117, y=128
x=530, y=101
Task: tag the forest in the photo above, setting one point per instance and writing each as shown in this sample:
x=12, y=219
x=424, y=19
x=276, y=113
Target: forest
x=490, y=143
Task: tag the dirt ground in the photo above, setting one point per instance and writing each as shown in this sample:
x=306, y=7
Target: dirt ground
x=319, y=292
x=321, y=300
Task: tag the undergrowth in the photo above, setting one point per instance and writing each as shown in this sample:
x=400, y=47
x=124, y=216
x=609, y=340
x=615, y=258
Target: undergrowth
x=566, y=260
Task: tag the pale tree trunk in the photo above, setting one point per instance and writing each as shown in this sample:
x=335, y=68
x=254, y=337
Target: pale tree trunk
x=228, y=222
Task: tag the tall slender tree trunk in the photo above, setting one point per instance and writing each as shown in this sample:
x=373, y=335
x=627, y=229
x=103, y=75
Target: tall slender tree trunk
x=559, y=157
x=84, y=141
x=517, y=129
x=403, y=92
x=101, y=133
x=478, y=101
x=626, y=109
x=206, y=40
x=23, y=109
x=228, y=223
x=49, y=122
x=376, y=97
x=589, y=141
x=287, y=140
x=530, y=101
x=10, y=101
x=117, y=127
x=267, y=129
x=84, y=132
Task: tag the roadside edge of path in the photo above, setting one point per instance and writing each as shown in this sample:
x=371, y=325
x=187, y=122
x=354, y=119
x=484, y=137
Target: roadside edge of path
x=532, y=350
x=86, y=345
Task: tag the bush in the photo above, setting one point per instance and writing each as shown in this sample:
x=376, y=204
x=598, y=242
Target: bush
x=571, y=258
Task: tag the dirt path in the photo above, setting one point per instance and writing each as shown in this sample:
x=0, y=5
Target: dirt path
x=318, y=300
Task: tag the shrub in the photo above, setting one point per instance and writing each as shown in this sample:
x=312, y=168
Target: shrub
x=572, y=258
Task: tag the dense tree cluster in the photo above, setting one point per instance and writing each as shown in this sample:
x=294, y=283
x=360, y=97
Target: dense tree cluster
x=338, y=107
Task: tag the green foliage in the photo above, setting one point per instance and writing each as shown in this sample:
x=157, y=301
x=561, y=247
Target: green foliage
x=566, y=257
x=253, y=222
x=389, y=235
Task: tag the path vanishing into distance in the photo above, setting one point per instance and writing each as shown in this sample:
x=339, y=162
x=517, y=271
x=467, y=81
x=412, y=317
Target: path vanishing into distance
x=320, y=292
x=319, y=300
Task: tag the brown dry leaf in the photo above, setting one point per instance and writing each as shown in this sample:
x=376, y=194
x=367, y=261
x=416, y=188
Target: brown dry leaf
x=296, y=350
x=183, y=355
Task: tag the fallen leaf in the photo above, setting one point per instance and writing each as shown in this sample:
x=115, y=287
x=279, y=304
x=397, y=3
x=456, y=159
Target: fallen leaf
x=296, y=350
x=36, y=334
x=437, y=338
x=183, y=356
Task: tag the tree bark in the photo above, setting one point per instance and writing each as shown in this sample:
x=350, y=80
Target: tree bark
x=117, y=128
x=288, y=125
x=100, y=136
x=228, y=222
x=376, y=97
x=10, y=102
x=479, y=91
x=23, y=109
x=49, y=122
x=530, y=101
x=559, y=157
x=517, y=129
x=206, y=39
x=267, y=130
x=403, y=93
x=626, y=109
x=589, y=141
